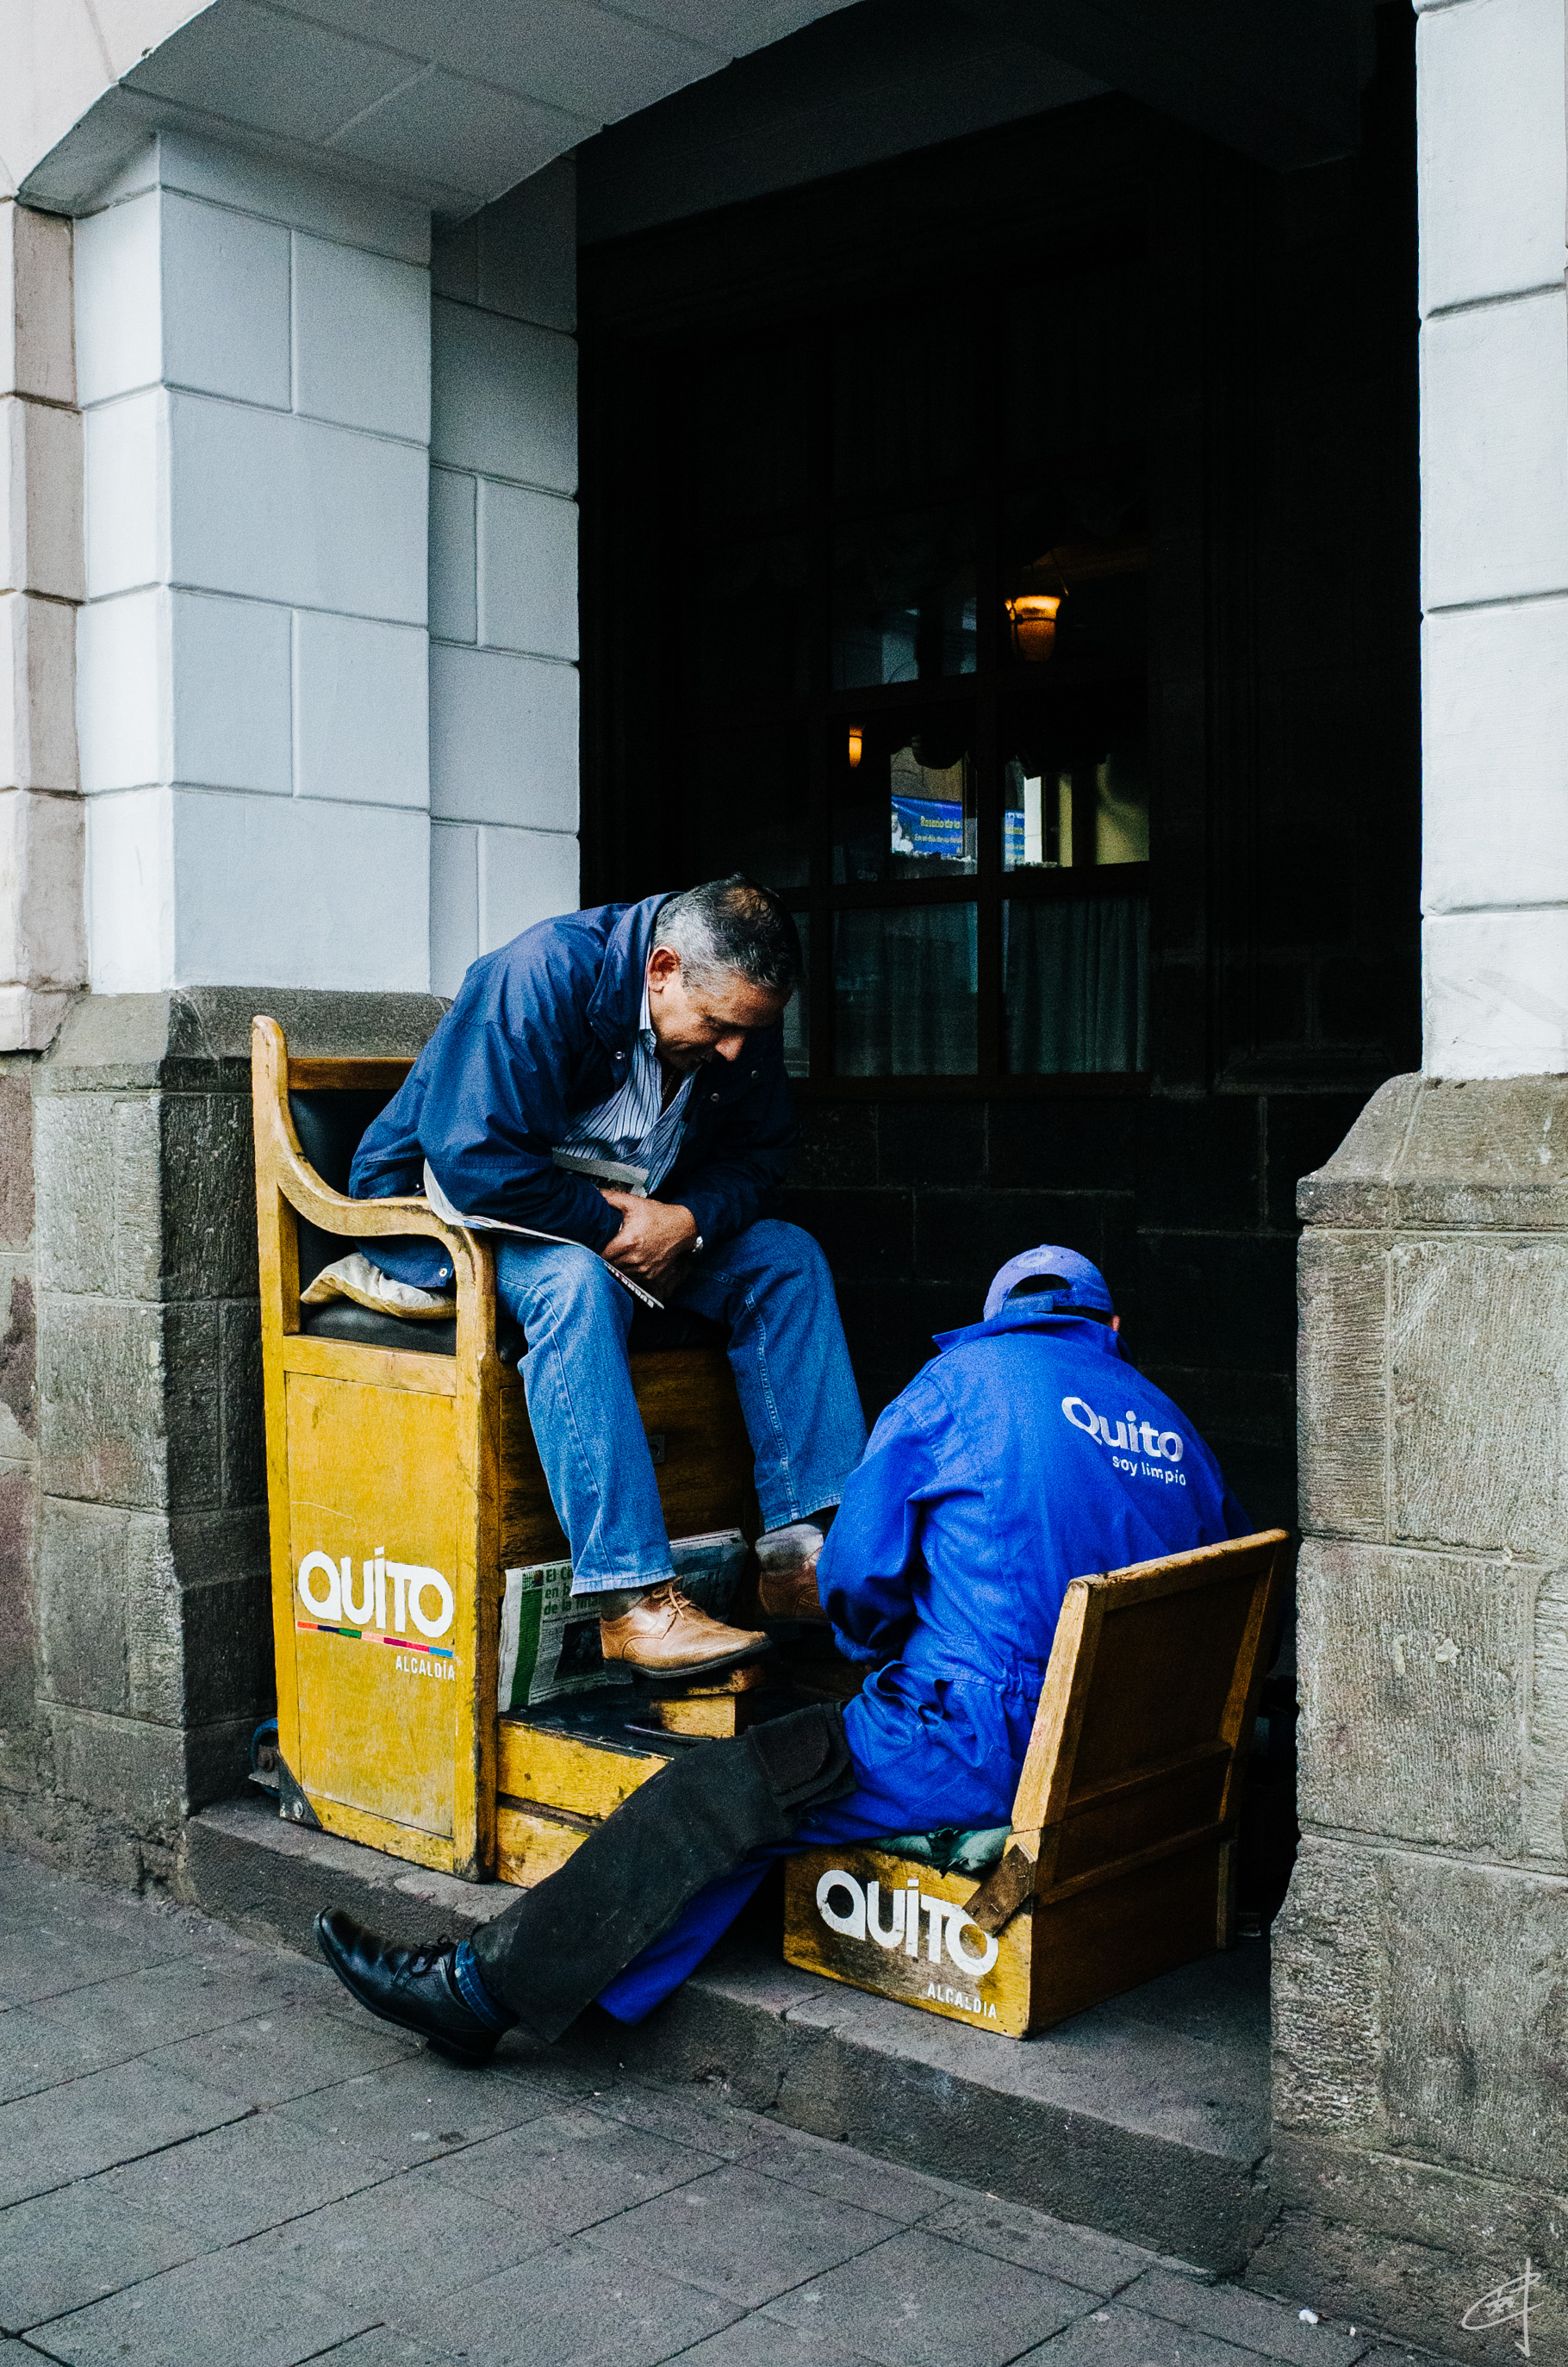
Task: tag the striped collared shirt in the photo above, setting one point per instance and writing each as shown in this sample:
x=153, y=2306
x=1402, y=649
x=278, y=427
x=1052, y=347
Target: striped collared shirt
x=631, y=1126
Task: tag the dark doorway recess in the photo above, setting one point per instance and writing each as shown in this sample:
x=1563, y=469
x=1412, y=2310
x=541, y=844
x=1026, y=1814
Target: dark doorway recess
x=1111, y=910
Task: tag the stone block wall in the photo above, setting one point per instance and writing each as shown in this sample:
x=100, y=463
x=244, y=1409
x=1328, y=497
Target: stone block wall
x=1421, y=1963
x=135, y=1640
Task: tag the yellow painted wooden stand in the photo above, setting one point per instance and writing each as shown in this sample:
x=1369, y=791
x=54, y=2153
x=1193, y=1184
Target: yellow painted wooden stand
x=1121, y=1861
x=401, y=1482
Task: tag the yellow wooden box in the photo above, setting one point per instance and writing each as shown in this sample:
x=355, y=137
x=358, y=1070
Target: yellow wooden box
x=400, y=1484
x=1121, y=1861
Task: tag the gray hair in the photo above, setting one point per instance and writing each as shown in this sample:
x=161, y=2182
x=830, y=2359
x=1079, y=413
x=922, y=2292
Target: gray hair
x=734, y=925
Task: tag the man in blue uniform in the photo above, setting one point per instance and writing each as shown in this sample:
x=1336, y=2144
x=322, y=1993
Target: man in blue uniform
x=615, y=1080
x=1026, y=1453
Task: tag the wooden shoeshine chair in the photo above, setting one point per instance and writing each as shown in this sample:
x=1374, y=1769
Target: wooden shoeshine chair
x=402, y=1481
x=1121, y=1861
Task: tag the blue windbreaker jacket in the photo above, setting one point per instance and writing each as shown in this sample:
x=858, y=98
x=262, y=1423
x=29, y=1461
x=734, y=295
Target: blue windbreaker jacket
x=540, y=1031
x=1003, y=1472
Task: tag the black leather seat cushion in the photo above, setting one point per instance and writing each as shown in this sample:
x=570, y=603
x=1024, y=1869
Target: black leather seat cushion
x=328, y=1126
x=674, y=1327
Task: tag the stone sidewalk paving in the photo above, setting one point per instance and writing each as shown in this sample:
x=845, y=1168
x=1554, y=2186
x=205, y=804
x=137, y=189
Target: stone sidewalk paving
x=210, y=2158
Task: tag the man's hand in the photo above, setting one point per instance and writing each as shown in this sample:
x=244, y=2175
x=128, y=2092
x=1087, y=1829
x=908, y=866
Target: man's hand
x=655, y=1238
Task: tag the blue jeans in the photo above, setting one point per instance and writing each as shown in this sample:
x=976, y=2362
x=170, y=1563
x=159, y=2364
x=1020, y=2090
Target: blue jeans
x=771, y=1286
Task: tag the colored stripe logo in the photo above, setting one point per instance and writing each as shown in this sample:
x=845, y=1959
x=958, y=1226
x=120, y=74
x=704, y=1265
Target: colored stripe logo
x=360, y=1636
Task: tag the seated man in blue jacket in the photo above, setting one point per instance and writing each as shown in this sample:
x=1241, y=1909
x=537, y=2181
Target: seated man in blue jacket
x=1004, y=1471
x=640, y=1043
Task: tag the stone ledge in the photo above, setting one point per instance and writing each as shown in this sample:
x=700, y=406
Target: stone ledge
x=1431, y=1153
x=197, y=1039
x=1145, y=2118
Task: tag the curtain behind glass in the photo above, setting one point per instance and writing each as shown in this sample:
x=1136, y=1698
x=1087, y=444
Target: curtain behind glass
x=1077, y=984
x=907, y=986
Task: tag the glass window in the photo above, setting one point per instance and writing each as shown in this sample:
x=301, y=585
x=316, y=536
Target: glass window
x=905, y=990
x=1062, y=817
x=904, y=601
x=798, y=1012
x=1076, y=984
x=905, y=803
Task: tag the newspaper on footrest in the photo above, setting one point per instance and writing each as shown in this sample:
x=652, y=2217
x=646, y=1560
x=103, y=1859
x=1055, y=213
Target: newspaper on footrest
x=549, y=1637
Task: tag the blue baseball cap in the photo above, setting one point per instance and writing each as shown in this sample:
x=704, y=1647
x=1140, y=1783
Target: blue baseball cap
x=1084, y=1284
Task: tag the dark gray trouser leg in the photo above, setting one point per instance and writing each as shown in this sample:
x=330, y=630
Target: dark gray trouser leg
x=553, y=1951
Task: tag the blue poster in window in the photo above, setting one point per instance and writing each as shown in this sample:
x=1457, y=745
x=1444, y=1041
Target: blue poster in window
x=930, y=826
x=1013, y=838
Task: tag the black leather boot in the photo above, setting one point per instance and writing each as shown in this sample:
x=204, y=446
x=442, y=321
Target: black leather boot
x=412, y=1987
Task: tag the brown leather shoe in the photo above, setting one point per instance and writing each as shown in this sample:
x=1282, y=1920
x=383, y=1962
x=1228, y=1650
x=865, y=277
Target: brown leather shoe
x=786, y=1572
x=665, y=1635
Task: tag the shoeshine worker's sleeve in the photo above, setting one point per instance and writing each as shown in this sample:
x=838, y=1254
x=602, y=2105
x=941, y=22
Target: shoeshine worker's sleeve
x=872, y=1560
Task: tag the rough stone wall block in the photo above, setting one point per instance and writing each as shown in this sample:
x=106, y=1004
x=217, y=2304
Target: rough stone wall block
x=1415, y=1675
x=1420, y=1998
x=1341, y=1392
x=149, y=1614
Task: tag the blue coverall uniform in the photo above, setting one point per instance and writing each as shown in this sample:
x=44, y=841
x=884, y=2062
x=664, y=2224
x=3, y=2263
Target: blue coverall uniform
x=1027, y=1453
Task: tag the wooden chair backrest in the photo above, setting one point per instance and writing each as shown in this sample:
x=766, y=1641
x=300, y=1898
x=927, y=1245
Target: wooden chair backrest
x=1140, y=1736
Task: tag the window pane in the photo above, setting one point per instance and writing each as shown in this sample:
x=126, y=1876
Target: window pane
x=797, y=1011
x=905, y=988
x=746, y=631
x=1063, y=812
x=903, y=600
x=749, y=806
x=1077, y=985
x=904, y=798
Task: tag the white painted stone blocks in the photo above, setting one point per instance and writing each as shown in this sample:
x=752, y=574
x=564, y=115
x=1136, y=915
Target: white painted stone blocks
x=232, y=712
x=524, y=876
x=1494, y=156
x=504, y=398
x=361, y=339
x=41, y=499
x=275, y=191
x=37, y=667
x=504, y=738
x=526, y=249
x=453, y=560
x=125, y=494
x=1495, y=756
x=487, y=885
x=122, y=650
x=527, y=571
x=131, y=891
x=277, y=507
x=37, y=336
x=1495, y=994
x=346, y=901
x=120, y=329
x=361, y=711
x=519, y=255
x=1495, y=451
x=343, y=900
x=225, y=301
x=453, y=903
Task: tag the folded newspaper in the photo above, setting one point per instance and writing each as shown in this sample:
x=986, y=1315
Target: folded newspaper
x=443, y=1208
x=549, y=1637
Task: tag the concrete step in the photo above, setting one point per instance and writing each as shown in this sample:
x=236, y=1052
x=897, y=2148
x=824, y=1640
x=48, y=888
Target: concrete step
x=1146, y=2118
